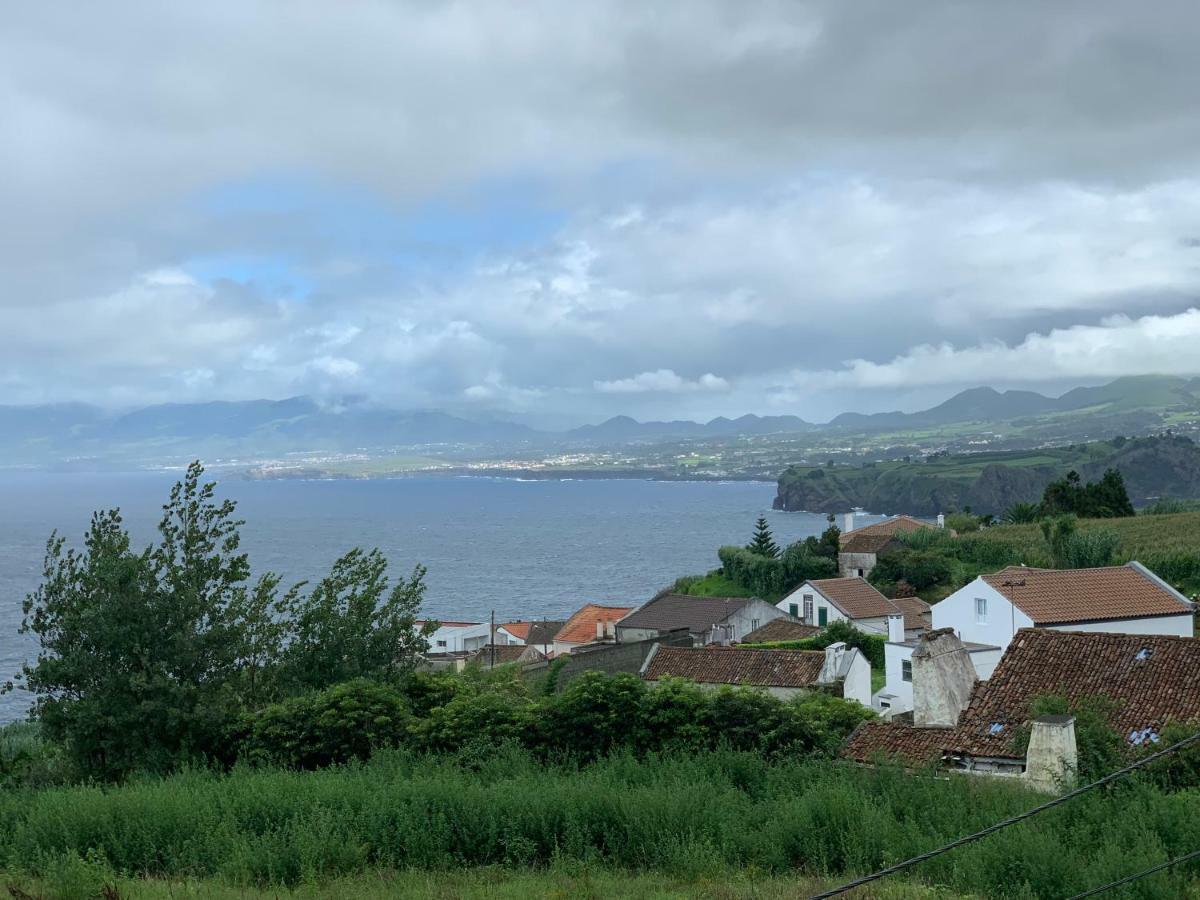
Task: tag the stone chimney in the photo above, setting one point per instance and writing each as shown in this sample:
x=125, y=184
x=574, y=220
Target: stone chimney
x=832, y=670
x=848, y=522
x=943, y=677
x=896, y=628
x=941, y=520
x=1052, y=758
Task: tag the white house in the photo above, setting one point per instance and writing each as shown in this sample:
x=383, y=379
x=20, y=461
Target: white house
x=988, y=612
x=827, y=600
x=462, y=637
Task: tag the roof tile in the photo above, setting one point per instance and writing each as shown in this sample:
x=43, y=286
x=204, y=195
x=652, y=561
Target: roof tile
x=581, y=627
x=1057, y=596
x=725, y=665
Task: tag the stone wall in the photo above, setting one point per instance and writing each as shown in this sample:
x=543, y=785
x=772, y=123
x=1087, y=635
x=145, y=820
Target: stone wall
x=609, y=658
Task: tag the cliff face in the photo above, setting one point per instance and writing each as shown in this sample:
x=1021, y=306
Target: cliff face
x=1153, y=467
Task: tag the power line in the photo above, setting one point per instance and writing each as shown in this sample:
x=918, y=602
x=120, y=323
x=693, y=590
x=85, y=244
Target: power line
x=1195, y=854
x=1013, y=820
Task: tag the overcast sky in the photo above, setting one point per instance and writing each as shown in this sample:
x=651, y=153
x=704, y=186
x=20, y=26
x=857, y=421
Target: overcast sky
x=560, y=211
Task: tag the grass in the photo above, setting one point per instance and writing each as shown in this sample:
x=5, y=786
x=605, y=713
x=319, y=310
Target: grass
x=721, y=820
x=714, y=585
x=878, y=679
x=494, y=883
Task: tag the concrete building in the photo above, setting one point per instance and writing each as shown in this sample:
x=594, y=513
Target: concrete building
x=490, y=656
x=861, y=547
x=709, y=620
x=1148, y=680
x=839, y=669
x=591, y=624
x=988, y=612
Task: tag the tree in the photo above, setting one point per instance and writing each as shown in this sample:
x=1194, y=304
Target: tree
x=149, y=658
x=353, y=624
x=829, y=544
x=763, y=543
x=1022, y=514
x=143, y=653
x=1104, y=499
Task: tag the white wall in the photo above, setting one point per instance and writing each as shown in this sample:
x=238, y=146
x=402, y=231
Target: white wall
x=819, y=602
x=754, y=614
x=857, y=685
x=958, y=612
x=1179, y=626
x=894, y=655
x=462, y=638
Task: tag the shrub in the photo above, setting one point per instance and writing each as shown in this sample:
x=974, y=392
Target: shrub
x=593, y=714
x=345, y=722
x=921, y=568
x=488, y=716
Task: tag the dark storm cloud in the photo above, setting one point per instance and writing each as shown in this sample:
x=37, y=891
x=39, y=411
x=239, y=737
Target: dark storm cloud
x=683, y=207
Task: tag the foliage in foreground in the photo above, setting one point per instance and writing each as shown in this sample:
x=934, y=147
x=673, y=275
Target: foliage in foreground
x=595, y=714
x=692, y=815
x=148, y=657
x=871, y=645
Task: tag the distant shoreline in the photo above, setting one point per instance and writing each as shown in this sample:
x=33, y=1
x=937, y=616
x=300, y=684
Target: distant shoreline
x=312, y=474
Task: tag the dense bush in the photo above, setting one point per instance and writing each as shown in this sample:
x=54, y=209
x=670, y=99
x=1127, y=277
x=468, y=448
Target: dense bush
x=336, y=725
x=771, y=577
x=922, y=569
x=712, y=812
x=871, y=645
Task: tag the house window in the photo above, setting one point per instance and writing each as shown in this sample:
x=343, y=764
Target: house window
x=441, y=643
x=808, y=605
x=906, y=670
x=860, y=572
x=754, y=624
x=794, y=609
x=981, y=610
x=822, y=617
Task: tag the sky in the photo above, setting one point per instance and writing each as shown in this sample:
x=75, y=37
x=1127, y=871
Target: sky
x=557, y=212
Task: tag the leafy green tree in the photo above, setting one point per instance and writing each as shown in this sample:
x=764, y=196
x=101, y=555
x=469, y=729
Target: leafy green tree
x=1104, y=499
x=922, y=569
x=829, y=544
x=355, y=624
x=763, y=543
x=801, y=563
x=144, y=655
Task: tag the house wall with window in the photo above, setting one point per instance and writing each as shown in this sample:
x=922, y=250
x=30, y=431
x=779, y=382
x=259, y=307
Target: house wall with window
x=980, y=614
x=811, y=607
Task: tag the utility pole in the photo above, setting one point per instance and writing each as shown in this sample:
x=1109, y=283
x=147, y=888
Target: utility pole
x=492, y=639
x=1012, y=601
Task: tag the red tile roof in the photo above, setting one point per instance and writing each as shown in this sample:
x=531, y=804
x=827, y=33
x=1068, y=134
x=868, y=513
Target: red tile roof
x=894, y=525
x=855, y=597
x=734, y=665
x=581, y=627
x=1057, y=596
x=865, y=543
x=781, y=630
x=669, y=611
x=517, y=629
x=917, y=613
x=1148, y=680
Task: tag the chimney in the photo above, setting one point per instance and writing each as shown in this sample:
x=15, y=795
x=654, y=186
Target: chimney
x=848, y=522
x=896, y=628
x=831, y=670
x=941, y=520
x=943, y=677
x=1052, y=758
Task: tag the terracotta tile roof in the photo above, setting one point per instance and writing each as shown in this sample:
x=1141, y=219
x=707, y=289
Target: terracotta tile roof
x=894, y=525
x=781, y=630
x=506, y=653
x=855, y=597
x=667, y=612
x=733, y=665
x=581, y=627
x=1056, y=596
x=917, y=613
x=1149, y=679
x=865, y=543
x=871, y=741
x=517, y=629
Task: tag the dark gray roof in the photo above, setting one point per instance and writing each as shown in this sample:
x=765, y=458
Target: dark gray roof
x=696, y=614
x=543, y=632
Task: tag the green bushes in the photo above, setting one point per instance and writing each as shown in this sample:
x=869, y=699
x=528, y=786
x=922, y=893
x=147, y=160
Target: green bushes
x=871, y=645
x=345, y=722
x=922, y=569
x=712, y=812
x=770, y=577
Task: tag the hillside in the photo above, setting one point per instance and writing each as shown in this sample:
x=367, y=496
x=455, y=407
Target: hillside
x=991, y=482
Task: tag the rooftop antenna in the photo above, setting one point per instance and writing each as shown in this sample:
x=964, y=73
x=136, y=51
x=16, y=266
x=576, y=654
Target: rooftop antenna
x=1012, y=601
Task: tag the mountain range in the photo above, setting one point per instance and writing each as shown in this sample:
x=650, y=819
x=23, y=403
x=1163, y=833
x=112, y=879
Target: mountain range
x=66, y=432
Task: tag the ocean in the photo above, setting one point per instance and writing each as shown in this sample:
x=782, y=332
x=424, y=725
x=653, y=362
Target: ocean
x=525, y=549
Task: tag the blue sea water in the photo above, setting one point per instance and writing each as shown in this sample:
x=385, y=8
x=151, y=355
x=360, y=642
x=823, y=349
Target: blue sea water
x=526, y=549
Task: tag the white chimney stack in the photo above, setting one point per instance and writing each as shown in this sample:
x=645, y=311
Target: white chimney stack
x=1052, y=758
x=942, y=679
x=896, y=628
x=848, y=522
x=941, y=520
x=833, y=663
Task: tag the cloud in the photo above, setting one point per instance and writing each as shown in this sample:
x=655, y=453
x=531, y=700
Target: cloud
x=1118, y=346
x=661, y=381
x=557, y=209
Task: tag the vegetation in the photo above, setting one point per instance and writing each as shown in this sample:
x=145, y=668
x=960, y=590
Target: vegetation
x=1103, y=499
x=871, y=645
x=763, y=543
x=708, y=815
x=771, y=578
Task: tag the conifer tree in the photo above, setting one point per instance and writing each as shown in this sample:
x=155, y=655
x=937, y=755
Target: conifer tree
x=763, y=543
